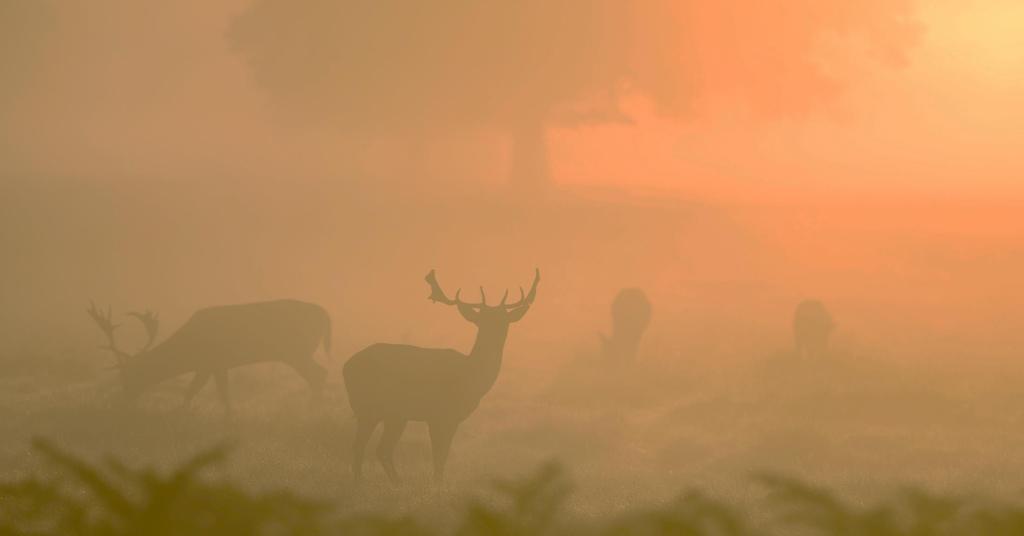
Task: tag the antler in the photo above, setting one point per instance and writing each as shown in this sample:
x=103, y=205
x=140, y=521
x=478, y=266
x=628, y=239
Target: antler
x=524, y=299
x=151, y=321
x=438, y=295
x=107, y=326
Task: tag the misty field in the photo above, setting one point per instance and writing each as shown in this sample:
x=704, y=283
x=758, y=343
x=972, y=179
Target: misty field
x=629, y=445
x=716, y=401
x=623, y=267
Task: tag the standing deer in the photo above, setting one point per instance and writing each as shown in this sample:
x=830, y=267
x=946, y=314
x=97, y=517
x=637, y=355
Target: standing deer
x=216, y=339
x=395, y=384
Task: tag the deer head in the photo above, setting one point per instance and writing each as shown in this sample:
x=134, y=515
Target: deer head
x=104, y=320
x=480, y=313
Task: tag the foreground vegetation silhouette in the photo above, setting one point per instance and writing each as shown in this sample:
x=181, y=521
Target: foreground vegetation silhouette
x=83, y=498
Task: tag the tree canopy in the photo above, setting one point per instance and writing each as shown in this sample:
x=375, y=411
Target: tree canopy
x=390, y=65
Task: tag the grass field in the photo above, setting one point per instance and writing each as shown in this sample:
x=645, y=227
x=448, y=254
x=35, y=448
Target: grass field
x=628, y=441
x=921, y=390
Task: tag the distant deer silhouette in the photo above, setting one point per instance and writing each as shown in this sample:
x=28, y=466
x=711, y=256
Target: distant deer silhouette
x=631, y=314
x=394, y=384
x=216, y=339
x=812, y=326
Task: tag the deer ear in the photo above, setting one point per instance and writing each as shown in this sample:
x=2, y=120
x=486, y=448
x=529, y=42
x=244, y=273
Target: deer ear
x=515, y=315
x=468, y=312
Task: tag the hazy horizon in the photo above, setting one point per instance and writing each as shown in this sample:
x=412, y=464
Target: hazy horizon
x=727, y=159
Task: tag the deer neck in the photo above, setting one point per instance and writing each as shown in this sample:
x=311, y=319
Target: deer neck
x=486, y=354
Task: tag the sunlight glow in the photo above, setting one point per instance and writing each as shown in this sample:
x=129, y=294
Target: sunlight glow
x=986, y=38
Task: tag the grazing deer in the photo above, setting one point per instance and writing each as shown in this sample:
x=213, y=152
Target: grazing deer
x=394, y=384
x=631, y=314
x=812, y=326
x=216, y=339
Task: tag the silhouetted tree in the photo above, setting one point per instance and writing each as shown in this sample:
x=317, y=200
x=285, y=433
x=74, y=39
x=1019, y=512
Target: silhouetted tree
x=392, y=66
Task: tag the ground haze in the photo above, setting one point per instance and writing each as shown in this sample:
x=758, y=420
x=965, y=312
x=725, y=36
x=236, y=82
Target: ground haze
x=715, y=163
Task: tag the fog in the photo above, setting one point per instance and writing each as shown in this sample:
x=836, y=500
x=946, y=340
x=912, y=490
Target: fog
x=728, y=163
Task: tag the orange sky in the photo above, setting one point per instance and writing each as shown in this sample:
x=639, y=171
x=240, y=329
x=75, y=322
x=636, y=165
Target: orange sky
x=156, y=92
x=909, y=179
x=946, y=124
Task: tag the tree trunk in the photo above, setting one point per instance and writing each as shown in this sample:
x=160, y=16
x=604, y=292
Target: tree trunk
x=529, y=172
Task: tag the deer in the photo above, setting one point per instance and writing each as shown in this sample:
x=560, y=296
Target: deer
x=216, y=339
x=631, y=314
x=397, y=383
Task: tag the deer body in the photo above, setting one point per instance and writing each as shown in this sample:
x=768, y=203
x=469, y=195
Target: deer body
x=393, y=381
x=396, y=383
x=631, y=314
x=217, y=339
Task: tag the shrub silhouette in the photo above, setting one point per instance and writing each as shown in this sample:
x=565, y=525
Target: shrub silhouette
x=111, y=499
x=114, y=499
x=910, y=513
x=692, y=514
x=533, y=505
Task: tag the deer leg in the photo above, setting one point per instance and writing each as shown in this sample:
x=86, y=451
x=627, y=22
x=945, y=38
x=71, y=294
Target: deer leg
x=314, y=374
x=441, y=434
x=221, y=378
x=386, y=448
x=364, y=429
x=198, y=381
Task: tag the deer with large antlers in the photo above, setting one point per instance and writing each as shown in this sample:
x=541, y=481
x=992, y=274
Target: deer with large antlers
x=217, y=339
x=394, y=384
